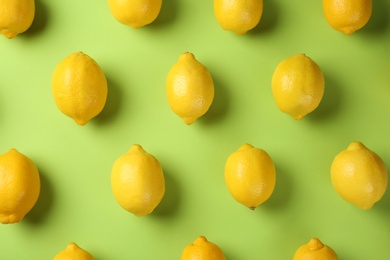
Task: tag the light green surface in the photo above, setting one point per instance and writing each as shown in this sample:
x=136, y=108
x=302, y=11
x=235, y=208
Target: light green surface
x=76, y=202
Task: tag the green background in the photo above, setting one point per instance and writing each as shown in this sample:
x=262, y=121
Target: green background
x=76, y=202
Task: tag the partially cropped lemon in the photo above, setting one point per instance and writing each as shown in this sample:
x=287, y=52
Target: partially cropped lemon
x=359, y=175
x=189, y=88
x=250, y=176
x=202, y=249
x=315, y=250
x=19, y=186
x=298, y=86
x=73, y=252
x=347, y=16
x=16, y=16
x=79, y=87
x=137, y=181
x=135, y=13
x=238, y=16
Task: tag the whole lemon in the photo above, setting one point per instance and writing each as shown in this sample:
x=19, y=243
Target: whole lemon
x=137, y=181
x=135, y=13
x=79, y=87
x=19, y=186
x=298, y=86
x=16, y=16
x=359, y=175
x=250, y=176
x=315, y=250
x=189, y=88
x=347, y=16
x=73, y=252
x=238, y=16
x=202, y=249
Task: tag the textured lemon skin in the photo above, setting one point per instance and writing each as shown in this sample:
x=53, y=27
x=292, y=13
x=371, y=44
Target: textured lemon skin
x=19, y=186
x=16, y=16
x=298, y=86
x=79, y=87
x=135, y=13
x=238, y=16
x=359, y=175
x=347, y=16
x=137, y=181
x=73, y=252
x=315, y=250
x=250, y=176
x=189, y=88
x=202, y=249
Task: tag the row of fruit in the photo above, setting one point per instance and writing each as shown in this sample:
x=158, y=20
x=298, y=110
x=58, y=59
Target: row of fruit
x=347, y=16
x=202, y=249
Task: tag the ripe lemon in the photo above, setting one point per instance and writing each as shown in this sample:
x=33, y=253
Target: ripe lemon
x=19, y=186
x=135, y=13
x=202, y=249
x=79, y=87
x=73, y=252
x=189, y=88
x=238, y=16
x=250, y=176
x=16, y=16
x=315, y=250
x=359, y=175
x=347, y=16
x=137, y=181
x=298, y=86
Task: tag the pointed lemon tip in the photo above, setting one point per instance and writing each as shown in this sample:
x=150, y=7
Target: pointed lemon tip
x=356, y=145
x=81, y=122
x=315, y=244
x=189, y=120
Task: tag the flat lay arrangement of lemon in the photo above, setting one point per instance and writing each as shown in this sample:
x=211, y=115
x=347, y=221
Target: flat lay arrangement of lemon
x=203, y=130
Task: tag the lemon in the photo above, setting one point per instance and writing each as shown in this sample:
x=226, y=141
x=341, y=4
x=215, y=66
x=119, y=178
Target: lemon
x=137, y=181
x=238, y=16
x=202, y=249
x=359, y=175
x=19, y=186
x=16, y=16
x=73, y=252
x=79, y=87
x=347, y=16
x=298, y=86
x=135, y=13
x=189, y=88
x=315, y=250
x=250, y=176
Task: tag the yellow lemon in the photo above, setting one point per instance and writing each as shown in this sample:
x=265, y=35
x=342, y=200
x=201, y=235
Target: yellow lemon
x=73, y=252
x=238, y=16
x=202, y=249
x=189, y=88
x=16, y=16
x=19, y=186
x=79, y=87
x=315, y=250
x=137, y=181
x=135, y=13
x=250, y=176
x=347, y=16
x=298, y=86
x=359, y=175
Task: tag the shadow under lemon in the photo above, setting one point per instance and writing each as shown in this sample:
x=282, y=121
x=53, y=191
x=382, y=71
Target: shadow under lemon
x=331, y=101
x=171, y=200
x=220, y=105
x=113, y=103
x=44, y=203
x=40, y=20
